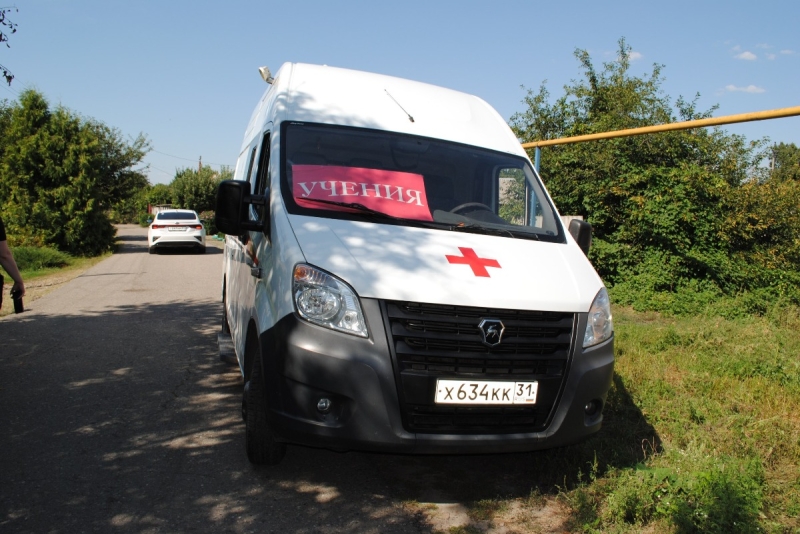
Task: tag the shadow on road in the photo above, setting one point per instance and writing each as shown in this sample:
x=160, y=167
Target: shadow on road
x=126, y=421
x=134, y=245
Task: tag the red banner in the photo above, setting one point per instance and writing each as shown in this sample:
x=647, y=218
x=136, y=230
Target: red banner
x=399, y=194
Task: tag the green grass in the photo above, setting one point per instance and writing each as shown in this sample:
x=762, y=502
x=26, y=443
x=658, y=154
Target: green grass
x=34, y=259
x=31, y=272
x=702, y=430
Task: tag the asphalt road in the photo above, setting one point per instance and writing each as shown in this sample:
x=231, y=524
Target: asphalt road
x=116, y=415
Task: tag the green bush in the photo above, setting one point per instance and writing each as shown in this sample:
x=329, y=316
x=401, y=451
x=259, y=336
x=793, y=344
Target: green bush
x=37, y=258
x=713, y=500
x=145, y=219
x=207, y=217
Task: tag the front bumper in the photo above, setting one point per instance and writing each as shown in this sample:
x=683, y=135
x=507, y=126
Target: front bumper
x=304, y=363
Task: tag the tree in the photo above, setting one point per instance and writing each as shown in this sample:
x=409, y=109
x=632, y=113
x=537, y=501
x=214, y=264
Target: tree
x=763, y=222
x=197, y=189
x=660, y=204
x=131, y=209
x=12, y=28
x=159, y=195
x=61, y=174
x=785, y=162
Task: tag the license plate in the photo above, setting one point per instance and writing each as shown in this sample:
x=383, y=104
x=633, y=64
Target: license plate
x=485, y=392
x=177, y=228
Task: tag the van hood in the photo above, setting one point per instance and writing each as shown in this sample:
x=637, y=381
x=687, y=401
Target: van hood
x=443, y=267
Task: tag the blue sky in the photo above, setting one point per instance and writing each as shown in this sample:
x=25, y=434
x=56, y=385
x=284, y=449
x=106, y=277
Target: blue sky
x=185, y=72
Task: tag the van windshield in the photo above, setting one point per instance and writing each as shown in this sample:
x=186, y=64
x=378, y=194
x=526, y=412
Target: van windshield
x=356, y=173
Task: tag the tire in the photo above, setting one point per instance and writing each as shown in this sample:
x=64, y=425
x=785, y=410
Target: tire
x=260, y=444
x=152, y=250
x=244, y=403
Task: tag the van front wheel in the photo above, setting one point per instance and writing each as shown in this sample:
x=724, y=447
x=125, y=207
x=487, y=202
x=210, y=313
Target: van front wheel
x=262, y=449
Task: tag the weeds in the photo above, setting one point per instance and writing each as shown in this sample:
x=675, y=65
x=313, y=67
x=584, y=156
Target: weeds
x=704, y=495
x=465, y=529
x=711, y=405
x=486, y=509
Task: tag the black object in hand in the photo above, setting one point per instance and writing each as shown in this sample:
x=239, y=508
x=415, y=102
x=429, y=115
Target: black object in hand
x=17, y=297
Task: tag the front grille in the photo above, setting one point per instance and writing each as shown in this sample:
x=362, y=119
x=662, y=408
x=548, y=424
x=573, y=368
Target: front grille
x=431, y=341
x=495, y=368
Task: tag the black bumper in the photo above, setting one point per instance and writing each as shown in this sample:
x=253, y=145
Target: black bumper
x=304, y=363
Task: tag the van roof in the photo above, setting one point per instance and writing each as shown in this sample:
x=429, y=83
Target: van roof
x=331, y=95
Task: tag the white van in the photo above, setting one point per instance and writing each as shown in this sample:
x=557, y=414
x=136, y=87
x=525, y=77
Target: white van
x=396, y=277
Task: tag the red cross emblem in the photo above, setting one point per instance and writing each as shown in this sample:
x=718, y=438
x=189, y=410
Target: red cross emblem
x=478, y=265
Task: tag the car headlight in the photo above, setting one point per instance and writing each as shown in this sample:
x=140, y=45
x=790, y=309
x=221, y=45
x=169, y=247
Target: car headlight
x=325, y=300
x=599, y=325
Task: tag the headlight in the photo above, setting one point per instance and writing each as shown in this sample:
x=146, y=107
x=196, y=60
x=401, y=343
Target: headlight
x=327, y=301
x=599, y=325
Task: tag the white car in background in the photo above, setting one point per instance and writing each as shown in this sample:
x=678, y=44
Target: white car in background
x=176, y=229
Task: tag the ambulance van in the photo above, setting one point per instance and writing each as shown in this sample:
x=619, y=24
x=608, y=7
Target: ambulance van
x=396, y=277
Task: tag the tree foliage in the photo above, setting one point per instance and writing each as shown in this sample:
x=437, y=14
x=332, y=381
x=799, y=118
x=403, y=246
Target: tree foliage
x=190, y=189
x=131, y=209
x=785, y=162
x=60, y=174
x=196, y=189
x=6, y=28
x=159, y=194
x=690, y=210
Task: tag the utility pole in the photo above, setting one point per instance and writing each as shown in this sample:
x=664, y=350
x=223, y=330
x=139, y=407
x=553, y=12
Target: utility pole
x=200, y=164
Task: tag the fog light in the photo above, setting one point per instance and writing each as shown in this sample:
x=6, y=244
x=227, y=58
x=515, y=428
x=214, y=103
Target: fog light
x=592, y=407
x=324, y=405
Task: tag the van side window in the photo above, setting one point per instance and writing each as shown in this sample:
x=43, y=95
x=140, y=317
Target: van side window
x=244, y=238
x=250, y=165
x=262, y=178
x=519, y=204
x=511, y=189
x=260, y=181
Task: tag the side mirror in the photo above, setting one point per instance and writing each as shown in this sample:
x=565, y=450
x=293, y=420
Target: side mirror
x=231, y=213
x=581, y=231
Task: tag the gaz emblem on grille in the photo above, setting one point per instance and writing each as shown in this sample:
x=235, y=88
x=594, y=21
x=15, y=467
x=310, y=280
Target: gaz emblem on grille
x=492, y=331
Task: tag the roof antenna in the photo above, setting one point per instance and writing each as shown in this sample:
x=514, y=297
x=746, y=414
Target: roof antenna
x=266, y=75
x=401, y=107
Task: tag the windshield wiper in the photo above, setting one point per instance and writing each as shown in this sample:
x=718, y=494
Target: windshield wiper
x=366, y=210
x=460, y=227
x=353, y=206
x=478, y=229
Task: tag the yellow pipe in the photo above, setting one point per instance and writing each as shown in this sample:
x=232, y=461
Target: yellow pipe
x=685, y=125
